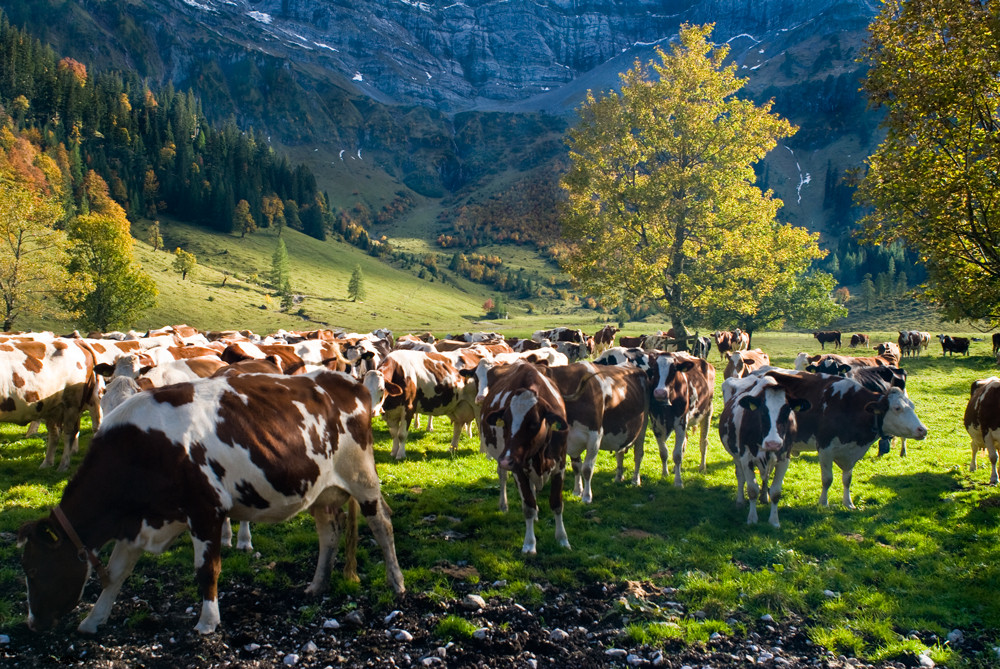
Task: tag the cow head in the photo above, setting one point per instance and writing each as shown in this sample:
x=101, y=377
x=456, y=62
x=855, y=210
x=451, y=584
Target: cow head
x=829, y=366
x=663, y=369
x=528, y=427
x=898, y=415
x=55, y=571
x=379, y=389
x=774, y=413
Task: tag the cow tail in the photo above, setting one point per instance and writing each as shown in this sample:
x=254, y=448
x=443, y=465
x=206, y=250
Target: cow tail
x=351, y=542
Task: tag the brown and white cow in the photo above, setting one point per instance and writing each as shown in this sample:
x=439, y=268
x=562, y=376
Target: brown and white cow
x=736, y=340
x=53, y=382
x=523, y=428
x=431, y=385
x=604, y=339
x=757, y=427
x=560, y=334
x=951, y=345
x=860, y=339
x=827, y=337
x=845, y=420
x=909, y=342
x=982, y=422
x=257, y=447
x=742, y=363
x=681, y=388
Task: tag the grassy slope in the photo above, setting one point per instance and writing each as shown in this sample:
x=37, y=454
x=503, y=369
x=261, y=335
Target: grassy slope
x=860, y=581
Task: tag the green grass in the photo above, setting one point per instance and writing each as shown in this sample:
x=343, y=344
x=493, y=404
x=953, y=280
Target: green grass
x=919, y=553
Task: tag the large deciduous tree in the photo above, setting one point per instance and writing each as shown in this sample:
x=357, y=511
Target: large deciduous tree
x=662, y=202
x=102, y=250
x=934, y=182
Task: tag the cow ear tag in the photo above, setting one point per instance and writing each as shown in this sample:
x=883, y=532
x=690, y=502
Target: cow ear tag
x=498, y=422
x=749, y=403
x=53, y=537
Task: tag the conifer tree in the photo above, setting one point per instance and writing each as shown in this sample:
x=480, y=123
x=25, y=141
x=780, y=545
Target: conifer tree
x=356, y=286
x=281, y=278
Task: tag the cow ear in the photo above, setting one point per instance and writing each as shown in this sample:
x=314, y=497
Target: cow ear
x=843, y=370
x=467, y=373
x=811, y=368
x=104, y=369
x=495, y=419
x=799, y=405
x=145, y=370
x=749, y=403
x=685, y=365
x=556, y=422
x=392, y=390
x=874, y=408
x=40, y=530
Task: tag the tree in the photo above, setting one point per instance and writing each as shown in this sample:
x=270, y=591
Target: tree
x=33, y=255
x=155, y=238
x=243, y=219
x=934, y=182
x=356, y=286
x=273, y=210
x=184, y=262
x=281, y=273
x=102, y=251
x=867, y=291
x=662, y=205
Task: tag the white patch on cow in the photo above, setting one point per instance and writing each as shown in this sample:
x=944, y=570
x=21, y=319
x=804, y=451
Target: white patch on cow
x=901, y=419
x=520, y=405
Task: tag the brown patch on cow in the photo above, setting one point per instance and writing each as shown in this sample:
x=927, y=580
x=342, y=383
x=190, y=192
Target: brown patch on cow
x=257, y=416
x=198, y=454
x=370, y=508
x=34, y=354
x=99, y=347
x=8, y=404
x=176, y=395
x=60, y=345
x=31, y=397
x=18, y=381
x=6, y=348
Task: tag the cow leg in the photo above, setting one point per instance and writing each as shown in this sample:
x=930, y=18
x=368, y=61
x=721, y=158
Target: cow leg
x=740, y=481
x=846, y=474
x=329, y=521
x=502, y=475
x=399, y=428
x=902, y=448
x=706, y=423
x=530, y=509
x=576, y=463
x=680, y=441
x=51, y=443
x=377, y=515
x=975, y=452
x=556, y=504
x=227, y=532
x=753, y=492
x=36, y=424
x=661, y=443
x=207, y=565
x=639, y=447
x=774, y=492
x=456, y=433
x=123, y=559
x=992, y=449
x=243, y=538
x=826, y=475
x=71, y=441
x=587, y=473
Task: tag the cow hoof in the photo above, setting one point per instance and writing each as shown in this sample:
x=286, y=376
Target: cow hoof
x=88, y=626
x=565, y=544
x=204, y=629
x=246, y=548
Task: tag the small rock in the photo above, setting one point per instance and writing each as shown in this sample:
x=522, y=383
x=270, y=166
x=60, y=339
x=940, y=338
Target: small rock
x=430, y=661
x=251, y=647
x=309, y=648
x=533, y=663
x=658, y=659
x=291, y=660
x=764, y=657
x=392, y=616
x=355, y=618
x=700, y=615
x=403, y=635
x=4, y=639
x=616, y=653
x=767, y=617
x=956, y=636
x=715, y=637
x=441, y=651
x=829, y=593
x=474, y=602
x=499, y=584
x=331, y=624
x=558, y=635
x=635, y=660
x=480, y=633
x=926, y=661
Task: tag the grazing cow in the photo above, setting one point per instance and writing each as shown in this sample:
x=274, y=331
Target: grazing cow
x=631, y=342
x=183, y=457
x=523, y=428
x=827, y=337
x=996, y=343
x=889, y=351
x=803, y=361
x=604, y=339
x=479, y=337
x=575, y=351
x=845, y=421
x=951, y=345
x=681, y=388
x=909, y=342
x=723, y=342
x=560, y=334
x=757, y=427
x=522, y=345
x=742, y=363
x=430, y=384
x=982, y=421
x=860, y=339
x=52, y=382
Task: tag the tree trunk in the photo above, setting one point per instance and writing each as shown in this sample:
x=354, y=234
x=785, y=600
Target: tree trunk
x=680, y=332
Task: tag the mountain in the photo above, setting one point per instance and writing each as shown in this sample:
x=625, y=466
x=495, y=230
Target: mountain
x=464, y=98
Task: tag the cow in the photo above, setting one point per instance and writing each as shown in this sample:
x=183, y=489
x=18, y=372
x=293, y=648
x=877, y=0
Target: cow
x=573, y=350
x=702, y=347
x=619, y=355
x=951, y=345
x=53, y=382
x=560, y=334
x=803, y=361
x=982, y=421
x=524, y=428
x=681, y=388
x=742, y=363
x=827, y=337
x=723, y=342
x=128, y=375
x=860, y=339
x=889, y=351
x=604, y=339
x=996, y=343
x=845, y=420
x=909, y=342
x=741, y=340
x=631, y=342
x=479, y=337
x=430, y=384
x=254, y=446
x=757, y=428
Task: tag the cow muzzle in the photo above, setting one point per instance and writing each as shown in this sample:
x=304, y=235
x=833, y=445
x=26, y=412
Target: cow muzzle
x=772, y=445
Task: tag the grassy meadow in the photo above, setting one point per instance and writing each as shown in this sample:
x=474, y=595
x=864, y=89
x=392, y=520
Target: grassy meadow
x=917, y=559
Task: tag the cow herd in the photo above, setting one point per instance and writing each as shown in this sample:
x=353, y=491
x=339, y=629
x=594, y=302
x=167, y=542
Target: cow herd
x=193, y=429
